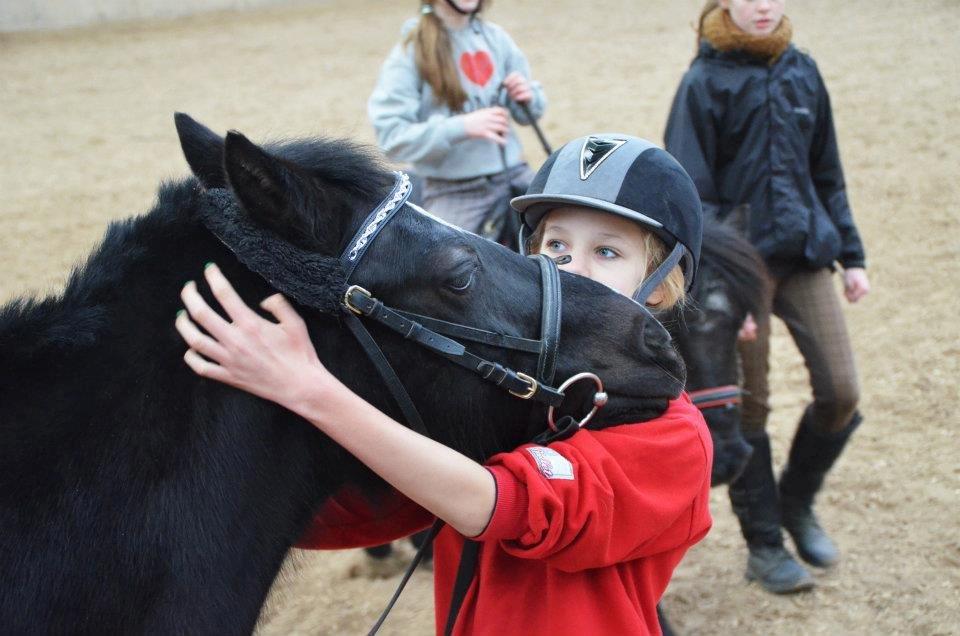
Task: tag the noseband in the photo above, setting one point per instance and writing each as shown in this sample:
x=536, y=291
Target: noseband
x=439, y=336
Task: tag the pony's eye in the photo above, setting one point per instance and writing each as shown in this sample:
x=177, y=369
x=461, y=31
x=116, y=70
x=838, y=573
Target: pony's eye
x=462, y=282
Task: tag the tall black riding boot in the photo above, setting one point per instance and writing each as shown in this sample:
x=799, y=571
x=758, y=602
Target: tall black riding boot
x=812, y=455
x=754, y=499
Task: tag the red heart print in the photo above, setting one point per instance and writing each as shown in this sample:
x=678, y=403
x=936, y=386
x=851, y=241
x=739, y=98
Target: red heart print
x=477, y=66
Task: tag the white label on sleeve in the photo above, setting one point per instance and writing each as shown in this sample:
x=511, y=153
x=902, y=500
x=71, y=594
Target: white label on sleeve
x=551, y=464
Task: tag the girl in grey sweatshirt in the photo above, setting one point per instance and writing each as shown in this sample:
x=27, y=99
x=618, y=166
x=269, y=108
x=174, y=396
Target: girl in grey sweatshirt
x=443, y=104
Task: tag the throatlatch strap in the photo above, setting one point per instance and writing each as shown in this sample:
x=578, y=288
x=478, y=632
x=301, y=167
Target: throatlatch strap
x=387, y=374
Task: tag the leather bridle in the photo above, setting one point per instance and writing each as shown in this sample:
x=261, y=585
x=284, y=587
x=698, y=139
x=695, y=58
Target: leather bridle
x=439, y=336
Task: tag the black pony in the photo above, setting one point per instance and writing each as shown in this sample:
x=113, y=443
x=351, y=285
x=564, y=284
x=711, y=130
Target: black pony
x=731, y=282
x=136, y=497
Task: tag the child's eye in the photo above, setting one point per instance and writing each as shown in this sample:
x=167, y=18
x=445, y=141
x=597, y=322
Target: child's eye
x=556, y=245
x=607, y=252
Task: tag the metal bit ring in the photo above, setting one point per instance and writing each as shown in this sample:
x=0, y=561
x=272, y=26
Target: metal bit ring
x=599, y=398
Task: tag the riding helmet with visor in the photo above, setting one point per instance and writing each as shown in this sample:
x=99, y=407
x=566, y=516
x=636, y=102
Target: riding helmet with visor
x=627, y=176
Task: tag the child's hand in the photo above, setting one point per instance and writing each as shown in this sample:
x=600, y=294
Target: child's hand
x=856, y=285
x=488, y=123
x=518, y=88
x=275, y=361
x=748, y=330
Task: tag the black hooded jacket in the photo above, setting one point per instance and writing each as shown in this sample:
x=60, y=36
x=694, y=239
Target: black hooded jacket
x=750, y=132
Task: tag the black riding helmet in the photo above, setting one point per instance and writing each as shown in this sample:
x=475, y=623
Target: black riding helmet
x=628, y=176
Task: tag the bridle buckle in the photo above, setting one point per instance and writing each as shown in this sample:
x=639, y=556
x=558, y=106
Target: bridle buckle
x=532, y=387
x=346, y=298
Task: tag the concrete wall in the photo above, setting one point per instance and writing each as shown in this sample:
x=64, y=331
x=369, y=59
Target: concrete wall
x=31, y=15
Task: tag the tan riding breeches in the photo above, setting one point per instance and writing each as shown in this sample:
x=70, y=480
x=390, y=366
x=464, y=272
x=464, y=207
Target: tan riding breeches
x=808, y=303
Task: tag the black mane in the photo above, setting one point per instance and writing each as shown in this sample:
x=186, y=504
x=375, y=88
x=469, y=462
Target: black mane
x=356, y=168
x=75, y=317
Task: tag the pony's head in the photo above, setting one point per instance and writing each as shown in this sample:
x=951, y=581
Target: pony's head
x=315, y=194
x=731, y=283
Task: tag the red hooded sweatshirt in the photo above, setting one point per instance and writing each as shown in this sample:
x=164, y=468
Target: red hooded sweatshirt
x=586, y=532
x=584, y=536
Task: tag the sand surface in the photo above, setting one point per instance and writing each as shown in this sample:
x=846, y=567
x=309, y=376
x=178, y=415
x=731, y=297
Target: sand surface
x=88, y=134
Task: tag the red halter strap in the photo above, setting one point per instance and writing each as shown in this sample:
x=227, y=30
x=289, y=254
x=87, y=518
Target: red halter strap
x=717, y=396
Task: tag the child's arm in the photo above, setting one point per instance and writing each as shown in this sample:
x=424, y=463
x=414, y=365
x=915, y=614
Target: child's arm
x=827, y=173
x=691, y=137
x=605, y=497
x=277, y=362
x=516, y=66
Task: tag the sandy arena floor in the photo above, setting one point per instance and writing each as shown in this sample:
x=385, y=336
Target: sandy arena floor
x=89, y=133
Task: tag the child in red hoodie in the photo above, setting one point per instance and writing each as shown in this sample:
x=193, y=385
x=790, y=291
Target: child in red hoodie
x=579, y=536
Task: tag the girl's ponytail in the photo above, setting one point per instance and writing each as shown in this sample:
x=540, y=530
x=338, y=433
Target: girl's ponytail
x=433, y=55
x=707, y=8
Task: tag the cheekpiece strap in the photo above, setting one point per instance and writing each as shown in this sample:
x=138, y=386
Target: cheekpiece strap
x=368, y=231
x=549, y=319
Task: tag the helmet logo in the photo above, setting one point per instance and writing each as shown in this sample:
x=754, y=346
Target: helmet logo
x=594, y=151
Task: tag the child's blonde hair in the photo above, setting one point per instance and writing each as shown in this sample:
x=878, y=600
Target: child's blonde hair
x=433, y=55
x=673, y=286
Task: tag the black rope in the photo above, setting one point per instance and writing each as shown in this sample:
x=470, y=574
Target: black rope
x=427, y=542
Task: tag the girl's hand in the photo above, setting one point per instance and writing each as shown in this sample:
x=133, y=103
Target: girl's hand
x=748, y=331
x=518, y=88
x=488, y=123
x=275, y=361
x=856, y=285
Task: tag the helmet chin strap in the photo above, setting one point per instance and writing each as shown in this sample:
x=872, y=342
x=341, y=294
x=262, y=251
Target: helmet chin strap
x=456, y=7
x=658, y=275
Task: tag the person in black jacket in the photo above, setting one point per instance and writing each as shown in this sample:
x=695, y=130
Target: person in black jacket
x=752, y=124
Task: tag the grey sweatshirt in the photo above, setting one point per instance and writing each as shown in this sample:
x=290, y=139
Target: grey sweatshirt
x=413, y=128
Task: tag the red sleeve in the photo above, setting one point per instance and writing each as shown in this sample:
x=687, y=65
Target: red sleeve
x=605, y=497
x=354, y=519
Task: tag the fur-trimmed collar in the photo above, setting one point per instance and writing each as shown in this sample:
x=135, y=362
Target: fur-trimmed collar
x=723, y=35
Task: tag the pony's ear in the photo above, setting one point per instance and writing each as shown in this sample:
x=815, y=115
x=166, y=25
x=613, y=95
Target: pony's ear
x=273, y=192
x=203, y=150
x=738, y=219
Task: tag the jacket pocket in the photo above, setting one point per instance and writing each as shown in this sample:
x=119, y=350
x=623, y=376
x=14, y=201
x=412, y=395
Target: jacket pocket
x=823, y=239
x=803, y=118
